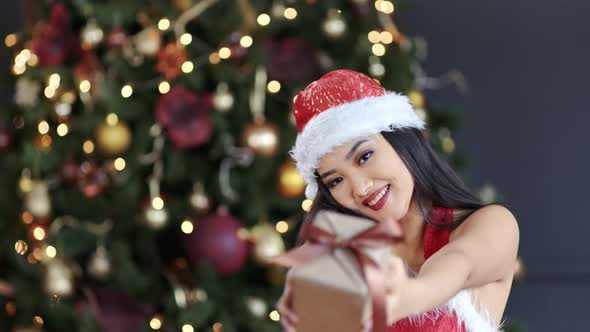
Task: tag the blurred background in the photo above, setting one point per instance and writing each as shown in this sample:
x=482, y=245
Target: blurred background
x=143, y=148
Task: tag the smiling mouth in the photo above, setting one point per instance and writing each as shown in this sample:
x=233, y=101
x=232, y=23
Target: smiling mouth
x=378, y=197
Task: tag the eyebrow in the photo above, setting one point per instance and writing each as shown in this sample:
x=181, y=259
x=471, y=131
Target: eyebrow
x=348, y=156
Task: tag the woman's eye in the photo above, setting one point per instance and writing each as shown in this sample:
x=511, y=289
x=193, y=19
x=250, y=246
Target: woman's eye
x=334, y=182
x=364, y=157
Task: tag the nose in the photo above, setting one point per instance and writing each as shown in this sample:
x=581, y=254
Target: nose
x=362, y=186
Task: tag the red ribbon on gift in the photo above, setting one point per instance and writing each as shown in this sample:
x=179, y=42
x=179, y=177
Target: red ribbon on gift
x=321, y=242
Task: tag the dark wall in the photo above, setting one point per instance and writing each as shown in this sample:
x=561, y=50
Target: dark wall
x=525, y=130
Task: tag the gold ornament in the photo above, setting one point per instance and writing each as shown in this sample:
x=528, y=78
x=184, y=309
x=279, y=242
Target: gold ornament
x=223, y=100
x=334, y=26
x=113, y=138
x=59, y=278
x=91, y=35
x=183, y=5
x=148, y=41
x=262, y=138
x=267, y=242
x=416, y=98
x=37, y=201
x=290, y=183
x=199, y=200
x=99, y=265
x=155, y=219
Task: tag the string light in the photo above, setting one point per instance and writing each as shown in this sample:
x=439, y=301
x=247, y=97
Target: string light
x=155, y=323
x=54, y=81
x=246, y=41
x=39, y=233
x=263, y=19
x=88, y=147
x=214, y=58
x=164, y=24
x=217, y=327
x=188, y=328
x=290, y=13
x=26, y=216
x=187, y=67
x=43, y=127
x=50, y=251
x=18, y=69
x=274, y=315
x=187, y=227
x=186, y=39
x=158, y=203
x=306, y=205
x=378, y=49
x=164, y=87
x=224, y=52
x=273, y=86
x=10, y=40
x=126, y=91
x=37, y=320
x=282, y=226
x=386, y=37
x=386, y=7
x=49, y=92
x=119, y=164
x=33, y=60
x=85, y=86
x=374, y=37
x=21, y=247
x=62, y=129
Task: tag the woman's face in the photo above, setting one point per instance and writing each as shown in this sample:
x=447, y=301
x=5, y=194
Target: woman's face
x=368, y=176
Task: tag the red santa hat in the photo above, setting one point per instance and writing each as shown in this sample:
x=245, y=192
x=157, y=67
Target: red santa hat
x=341, y=106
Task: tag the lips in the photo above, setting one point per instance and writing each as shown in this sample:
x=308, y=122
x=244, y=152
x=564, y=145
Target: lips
x=375, y=194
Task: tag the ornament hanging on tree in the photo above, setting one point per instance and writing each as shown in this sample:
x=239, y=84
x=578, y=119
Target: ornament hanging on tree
x=88, y=69
x=37, y=201
x=223, y=100
x=113, y=136
x=262, y=138
x=91, y=35
x=59, y=278
x=53, y=41
x=117, y=38
x=5, y=138
x=148, y=41
x=267, y=242
x=290, y=183
x=27, y=92
x=99, y=265
x=155, y=217
x=199, y=200
x=170, y=60
x=334, y=25
x=257, y=306
x=291, y=60
x=216, y=241
x=186, y=117
x=92, y=180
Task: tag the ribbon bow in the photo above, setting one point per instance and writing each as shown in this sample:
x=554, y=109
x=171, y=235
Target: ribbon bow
x=321, y=242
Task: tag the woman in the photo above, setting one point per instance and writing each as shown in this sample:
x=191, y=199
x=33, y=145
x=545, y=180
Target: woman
x=361, y=151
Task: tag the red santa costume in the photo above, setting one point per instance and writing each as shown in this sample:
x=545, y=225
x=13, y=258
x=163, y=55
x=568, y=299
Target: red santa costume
x=345, y=105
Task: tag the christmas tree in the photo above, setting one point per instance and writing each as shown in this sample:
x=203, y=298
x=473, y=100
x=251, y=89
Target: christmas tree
x=144, y=161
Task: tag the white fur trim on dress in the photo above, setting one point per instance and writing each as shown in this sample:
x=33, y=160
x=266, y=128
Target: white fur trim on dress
x=461, y=305
x=343, y=123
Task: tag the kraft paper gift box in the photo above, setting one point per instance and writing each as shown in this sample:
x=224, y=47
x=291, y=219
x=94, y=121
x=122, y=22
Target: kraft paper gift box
x=330, y=292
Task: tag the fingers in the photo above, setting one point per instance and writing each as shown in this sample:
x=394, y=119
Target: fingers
x=288, y=318
x=367, y=326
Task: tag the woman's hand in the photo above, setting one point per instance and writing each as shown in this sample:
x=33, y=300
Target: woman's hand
x=285, y=305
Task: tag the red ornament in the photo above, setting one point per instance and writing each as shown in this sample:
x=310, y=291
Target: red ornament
x=92, y=180
x=117, y=38
x=52, y=41
x=291, y=60
x=5, y=138
x=170, y=60
x=185, y=115
x=114, y=310
x=216, y=241
x=69, y=171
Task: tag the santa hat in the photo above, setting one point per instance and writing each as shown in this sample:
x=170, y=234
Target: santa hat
x=336, y=109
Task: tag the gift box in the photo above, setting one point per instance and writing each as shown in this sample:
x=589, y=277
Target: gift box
x=330, y=288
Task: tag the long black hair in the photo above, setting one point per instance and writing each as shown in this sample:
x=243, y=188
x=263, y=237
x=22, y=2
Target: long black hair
x=435, y=182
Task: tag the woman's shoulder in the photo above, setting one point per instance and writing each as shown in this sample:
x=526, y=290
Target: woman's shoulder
x=493, y=216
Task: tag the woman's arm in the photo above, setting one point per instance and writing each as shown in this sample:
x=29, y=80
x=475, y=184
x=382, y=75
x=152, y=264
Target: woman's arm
x=482, y=250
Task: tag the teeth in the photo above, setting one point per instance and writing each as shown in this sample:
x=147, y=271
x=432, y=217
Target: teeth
x=378, y=197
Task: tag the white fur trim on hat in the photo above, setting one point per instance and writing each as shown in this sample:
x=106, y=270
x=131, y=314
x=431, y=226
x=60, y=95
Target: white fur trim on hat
x=341, y=124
